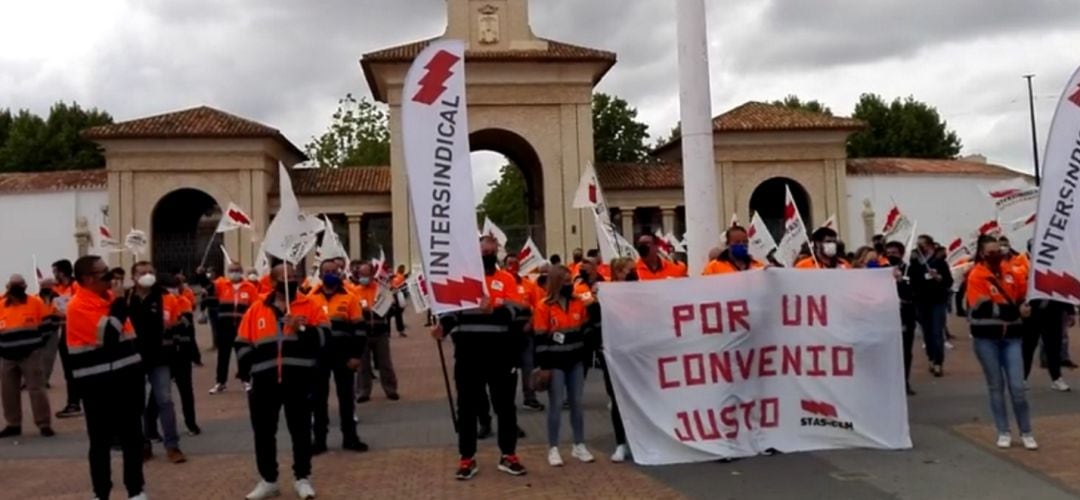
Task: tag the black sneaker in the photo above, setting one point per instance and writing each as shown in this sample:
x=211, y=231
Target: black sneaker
x=318, y=447
x=47, y=432
x=70, y=411
x=354, y=444
x=520, y=433
x=393, y=397
x=467, y=469
x=363, y=399
x=510, y=465
x=194, y=430
x=484, y=432
x=532, y=404
x=1069, y=364
x=154, y=438
x=10, y=431
x=937, y=370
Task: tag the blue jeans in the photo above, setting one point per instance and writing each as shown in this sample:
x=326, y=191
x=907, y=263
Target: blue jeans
x=1002, y=362
x=571, y=384
x=932, y=322
x=161, y=395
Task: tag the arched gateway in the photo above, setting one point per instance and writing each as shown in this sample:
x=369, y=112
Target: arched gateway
x=528, y=96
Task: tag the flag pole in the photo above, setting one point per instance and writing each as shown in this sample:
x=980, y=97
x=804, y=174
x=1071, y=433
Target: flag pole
x=206, y=253
x=446, y=381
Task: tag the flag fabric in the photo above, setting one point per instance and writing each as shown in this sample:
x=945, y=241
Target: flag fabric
x=794, y=232
x=225, y=254
x=233, y=218
x=588, y=193
x=622, y=247
x=956, y=251
x=490, y=229
x=734, y=220
x=38, y=275
x=105, y=238
x=897, y=225
x=262, y=262
x=331, y=247
x=137, y=242
x=831, y=223
x=664, y=245
x=381, y=267
x=761, y=240
x=1055, y=255
x=292, y=233
x=991, y=228
x=1010, y=193
x=1017, y=225
x=418, y=291
x=676, y=244
x=529, y=258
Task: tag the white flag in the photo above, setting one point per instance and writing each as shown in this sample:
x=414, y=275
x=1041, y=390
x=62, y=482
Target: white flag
x=664, y=245
x=623, y=248
x=956, y=251
x=1011, y=192
x=233, y=218
x=434, y=116
x=381, y=267
x=1055, y=256
x=105, y=238
x=588, y=193
x=794, y=232
x=529, y=258
x=761, y=240
x=1019, y=224
x=676, y=245
x=137, y=242
x=262, y=262
x=225, y=254
x=897, y=226
x=331, y=247
x=418, y=291
x=292, y=233
x=734, y=220
x=490, y=229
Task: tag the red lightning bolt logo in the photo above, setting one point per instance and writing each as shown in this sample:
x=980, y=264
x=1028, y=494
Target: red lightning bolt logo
x=458, y=292
x=432, y=85
x=1075, y=98
x=1063, y=284
x=819, y=408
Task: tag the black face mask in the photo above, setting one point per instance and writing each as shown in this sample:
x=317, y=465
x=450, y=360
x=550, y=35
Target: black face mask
x=566, y=291
x=289, y=288
x=489, y=263
x=578, y=259
x=46, y=293
x=643, y=249
x=583, y=275
x=17, y=291
x=632, y=276
x=895, y=261
x=541, y=280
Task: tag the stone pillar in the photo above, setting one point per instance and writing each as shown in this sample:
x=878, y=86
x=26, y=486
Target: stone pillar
x=627, y=216
x=868, y=220
x=668, y=216
x=354, y=234
x=82, y=236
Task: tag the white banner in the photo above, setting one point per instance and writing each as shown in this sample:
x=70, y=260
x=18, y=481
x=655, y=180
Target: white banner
x=733, y=365
x=436, y=144
x=1055, y=256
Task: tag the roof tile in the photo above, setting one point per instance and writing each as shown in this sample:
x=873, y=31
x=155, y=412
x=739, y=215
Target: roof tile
x=624, y=176
x=759, y=116
x=342, y=180
x=63, y=180
x=898, y=166
x=556, y=51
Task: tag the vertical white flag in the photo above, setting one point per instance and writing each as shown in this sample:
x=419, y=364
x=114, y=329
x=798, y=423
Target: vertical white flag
x=794, y=232
x=331, y=247
x=225, y=254
x=137, y=242
x=529, y=258
x=761, y=240
x=233, y=218
x=588, y=193
x=292, y=233
x=436, y=145
x=1055, y=255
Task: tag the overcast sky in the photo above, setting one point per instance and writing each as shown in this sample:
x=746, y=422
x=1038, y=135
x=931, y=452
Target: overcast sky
x=285, y=63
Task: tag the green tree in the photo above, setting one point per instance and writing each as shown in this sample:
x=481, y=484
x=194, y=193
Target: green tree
x=29, y=143
x=359, y=135
x=792, y=101
x=903, y=128
x=504, y=203
x=617, y=135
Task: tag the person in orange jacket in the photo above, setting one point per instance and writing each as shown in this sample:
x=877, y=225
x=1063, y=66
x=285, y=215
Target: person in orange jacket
x=527, y=293
x=233, y=295
x=22, y=358
x=108, y=370
x=63, y=290
x=377, y=328
x=650, y=265
x=825, y=252
x=736, y=258
x=397, y=311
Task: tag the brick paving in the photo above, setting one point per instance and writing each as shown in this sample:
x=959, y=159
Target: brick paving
x=1059, y=447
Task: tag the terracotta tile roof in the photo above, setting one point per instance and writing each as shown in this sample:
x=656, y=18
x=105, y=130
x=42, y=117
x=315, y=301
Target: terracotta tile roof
x=194, y=123
x=626, y=176
x=63, y=180
x=343, y=180
x=899, y=166
x=761, y=117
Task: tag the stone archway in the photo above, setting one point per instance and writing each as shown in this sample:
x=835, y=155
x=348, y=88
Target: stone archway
x=768, y=200
x=521, y=154
x=182, y=225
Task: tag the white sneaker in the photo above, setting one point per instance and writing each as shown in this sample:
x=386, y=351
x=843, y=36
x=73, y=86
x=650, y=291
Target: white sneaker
x=554, y=459
x=949, y=345
x=217, y=389
x=1004, y=441
x=1060, y=385
x=1029, y=442
x=581, y=453
x=247, y=386
x=264, y=490
x=140, y=496
x=621, y=452
x=304, y=489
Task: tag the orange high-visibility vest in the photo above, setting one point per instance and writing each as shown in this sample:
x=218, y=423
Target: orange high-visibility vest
x=97, y=342
x=268, y=347
x=20, y=327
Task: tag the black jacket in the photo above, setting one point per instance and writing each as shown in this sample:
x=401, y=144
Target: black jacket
x=925, y=289
x=152, y=338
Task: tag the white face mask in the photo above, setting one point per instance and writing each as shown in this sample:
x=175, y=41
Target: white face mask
x=253, y=277
x=147, y=280
x=236, y=277
x=829, y=248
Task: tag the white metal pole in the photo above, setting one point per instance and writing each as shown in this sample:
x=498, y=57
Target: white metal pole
x=700, y=183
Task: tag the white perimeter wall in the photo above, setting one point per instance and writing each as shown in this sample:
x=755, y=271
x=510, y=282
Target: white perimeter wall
x=944, y=206
x=43, y=224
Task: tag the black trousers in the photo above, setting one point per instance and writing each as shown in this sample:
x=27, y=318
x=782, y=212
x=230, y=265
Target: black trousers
x=344, y=380
x=907, y=325
x=472, y=378
x=265, y=402
x=69, y=381
x=616, y=417
x=113, y=409
x=1046, y=323
x=224, y=336
x=398, y=314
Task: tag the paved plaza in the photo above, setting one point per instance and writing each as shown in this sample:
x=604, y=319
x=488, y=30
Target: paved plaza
x=413, y=450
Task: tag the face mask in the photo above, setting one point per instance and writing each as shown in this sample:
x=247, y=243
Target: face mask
x=513, y=268
x=895, y=261
x=992, y=258
x=290, y=289
x=632, y=276
x=873, y=264
x=253, y=277
x=174, y=291
x=828, y=249
x=489, y=262
x=1004, y=249
x=331, y=280
x=541, y=280
x=17, y=290
x=566, y=291
x=643, y=249
x=578, y=259
x=584, y=275
x=236, y=277
x=147, y=280
x=363, y=280
x=740, y=251
x=45, y=293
